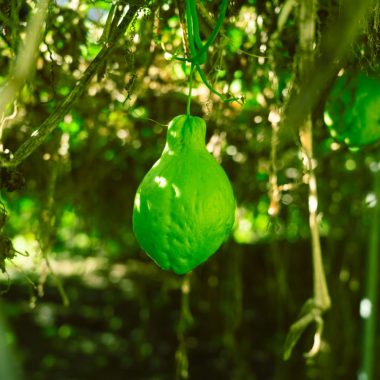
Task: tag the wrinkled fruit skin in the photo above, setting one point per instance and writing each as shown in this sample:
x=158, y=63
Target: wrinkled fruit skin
x=184, y=207
x=352, y=111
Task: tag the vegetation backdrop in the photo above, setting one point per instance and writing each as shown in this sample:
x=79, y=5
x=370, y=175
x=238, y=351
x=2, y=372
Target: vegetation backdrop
x=87, y=90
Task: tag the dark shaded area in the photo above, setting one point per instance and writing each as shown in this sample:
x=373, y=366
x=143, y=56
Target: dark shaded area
x=124, y=327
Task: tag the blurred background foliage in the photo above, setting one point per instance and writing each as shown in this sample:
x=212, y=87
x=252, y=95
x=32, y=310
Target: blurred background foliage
x=81, y=300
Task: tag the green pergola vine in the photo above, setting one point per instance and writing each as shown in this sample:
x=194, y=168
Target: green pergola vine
x=198, y=49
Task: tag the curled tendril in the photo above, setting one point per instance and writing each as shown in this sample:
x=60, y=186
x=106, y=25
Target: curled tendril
x=317, y=338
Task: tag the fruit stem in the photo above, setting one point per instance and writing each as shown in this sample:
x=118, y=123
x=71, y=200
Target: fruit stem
x=190, y=89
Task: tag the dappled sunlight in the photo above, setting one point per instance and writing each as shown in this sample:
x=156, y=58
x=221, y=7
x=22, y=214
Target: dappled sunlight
x=94, y=272
x=30, y=260
x=250, y=228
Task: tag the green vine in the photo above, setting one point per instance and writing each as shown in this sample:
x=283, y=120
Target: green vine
x=198, y=49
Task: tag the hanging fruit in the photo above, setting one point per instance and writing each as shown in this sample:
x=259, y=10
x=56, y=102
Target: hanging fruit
x=352, y=111
x=184, y=207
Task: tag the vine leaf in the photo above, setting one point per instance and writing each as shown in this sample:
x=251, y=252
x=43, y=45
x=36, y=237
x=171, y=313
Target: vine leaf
x=310, y=313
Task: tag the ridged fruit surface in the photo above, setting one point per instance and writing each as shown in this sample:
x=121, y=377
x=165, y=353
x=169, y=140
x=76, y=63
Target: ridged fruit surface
x=352, y=111
x=184, y=207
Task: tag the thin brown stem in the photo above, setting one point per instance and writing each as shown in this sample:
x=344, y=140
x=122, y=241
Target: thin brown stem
x=313, y=308
x=307, y=25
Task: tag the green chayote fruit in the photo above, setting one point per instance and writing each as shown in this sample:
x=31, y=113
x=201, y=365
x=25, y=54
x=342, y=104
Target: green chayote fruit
x=184, y=208
x=352, y=111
